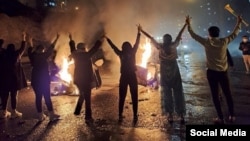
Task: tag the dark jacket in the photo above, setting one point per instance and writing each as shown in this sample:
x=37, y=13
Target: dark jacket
x=83, y=72
x=40, y=68
x=230, y=59
x=12, y=74
x=128, y=59
x=245, y=48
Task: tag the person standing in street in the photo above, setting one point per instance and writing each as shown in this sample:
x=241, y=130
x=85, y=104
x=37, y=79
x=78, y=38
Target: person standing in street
x=83, y=74
x=40, y=77
x=217, y=66
x=245, y=48
x=128, y=74
x=12, y=78
x=172, y=96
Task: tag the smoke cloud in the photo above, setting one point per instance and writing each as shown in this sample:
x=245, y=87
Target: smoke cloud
x=118, y=19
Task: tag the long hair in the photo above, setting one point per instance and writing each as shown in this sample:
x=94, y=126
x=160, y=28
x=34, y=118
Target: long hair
x=167, y=40
x=126, y=46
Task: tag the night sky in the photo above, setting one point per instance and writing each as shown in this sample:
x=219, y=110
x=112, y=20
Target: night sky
x=158, y=17
x=205, y=13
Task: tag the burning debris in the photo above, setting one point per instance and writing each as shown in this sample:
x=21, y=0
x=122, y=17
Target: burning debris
x=147, y=73
x=65, y=83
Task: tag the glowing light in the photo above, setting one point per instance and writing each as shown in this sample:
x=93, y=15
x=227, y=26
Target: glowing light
x=66, y=76
x=64, y=73
x=99, y=62
x=149, y=76
x=146, y=54
x=76, y=8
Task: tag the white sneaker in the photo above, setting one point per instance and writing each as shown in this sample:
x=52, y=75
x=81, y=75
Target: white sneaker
x=53, y=116
x=16, y=114
x=5, y=114
x=41, y=116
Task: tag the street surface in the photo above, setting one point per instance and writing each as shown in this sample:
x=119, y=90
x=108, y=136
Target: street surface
x=151, y=126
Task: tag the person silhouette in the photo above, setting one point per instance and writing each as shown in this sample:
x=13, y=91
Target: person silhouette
x=128, y=74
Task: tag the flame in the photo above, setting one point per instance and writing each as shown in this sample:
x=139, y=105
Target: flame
x=64, y=72
x=146, y=55
x=149, y=75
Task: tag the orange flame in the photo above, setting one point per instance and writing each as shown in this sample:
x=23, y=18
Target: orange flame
x=146, y=55
x=64, y=73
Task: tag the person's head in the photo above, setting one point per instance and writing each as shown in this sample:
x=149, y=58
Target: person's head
x=81, y=47
x=214, y=31
x=167, y=39
x=10, y=48
x=40, y=48
x=126, y=46
x=245, y=38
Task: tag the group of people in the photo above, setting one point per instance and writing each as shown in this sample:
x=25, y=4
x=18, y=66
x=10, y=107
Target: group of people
x=172, y=95
x=13, y=77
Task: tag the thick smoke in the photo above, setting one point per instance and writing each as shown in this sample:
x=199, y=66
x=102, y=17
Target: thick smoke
x=118, y=19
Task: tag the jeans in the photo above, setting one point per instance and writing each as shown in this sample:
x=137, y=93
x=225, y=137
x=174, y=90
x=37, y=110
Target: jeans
x=41, y=92
x=131, y=81
x=216, y=79
x=5, y=97
x=85, y=94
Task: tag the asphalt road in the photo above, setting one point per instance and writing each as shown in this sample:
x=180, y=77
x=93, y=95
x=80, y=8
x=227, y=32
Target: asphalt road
x=151, y=126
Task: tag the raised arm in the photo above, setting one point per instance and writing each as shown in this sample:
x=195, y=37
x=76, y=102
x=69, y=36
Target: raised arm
x=30, y=49
x=31, y=46
x=23, y=46
x=116, y=50
x=154, y=42
x=192, y=34
x=137, y=42
x=72, y=44
x=236, y=30
x=53, y=44
x=178, y=38
x=95, y=48
x=55, y=41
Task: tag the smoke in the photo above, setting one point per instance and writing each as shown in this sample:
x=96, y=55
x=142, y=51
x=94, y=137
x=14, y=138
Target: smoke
x=118, y=19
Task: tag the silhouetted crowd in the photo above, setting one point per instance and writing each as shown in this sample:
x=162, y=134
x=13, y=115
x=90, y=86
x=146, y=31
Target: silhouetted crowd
x=218, y=60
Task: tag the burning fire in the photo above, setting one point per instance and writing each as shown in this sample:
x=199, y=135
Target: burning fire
x=64, y=72
x=145, y=56
x=66, y=78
